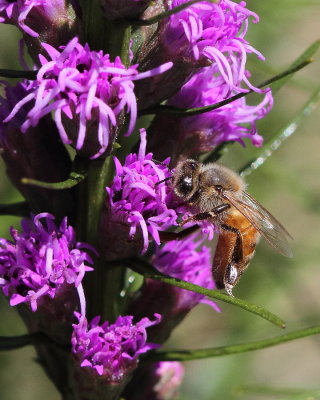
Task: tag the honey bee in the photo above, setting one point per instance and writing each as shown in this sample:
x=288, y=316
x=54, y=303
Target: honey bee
x=219, y=195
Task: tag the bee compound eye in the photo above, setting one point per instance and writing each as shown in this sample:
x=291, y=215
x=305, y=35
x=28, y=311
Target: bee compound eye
x=186, y=185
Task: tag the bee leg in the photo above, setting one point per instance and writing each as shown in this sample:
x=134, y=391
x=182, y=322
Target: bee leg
x=237, y=254
x=233, y=273
x=207, y=215
x=167, y=236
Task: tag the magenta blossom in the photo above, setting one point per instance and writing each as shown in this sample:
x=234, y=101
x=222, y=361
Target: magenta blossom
x=111, y=350
x=41, y=260
x=214, y=32
x=87, y=92
x=137, y=201
x=190, y=136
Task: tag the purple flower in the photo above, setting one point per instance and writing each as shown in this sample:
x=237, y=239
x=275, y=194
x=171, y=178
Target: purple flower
x=87, y=92
x=111, y=350
x=190, y=136
x=16, y=12
x=159, y=381
x=41, y=261
x=184, y=260
x=136, y=206
x=215, y=32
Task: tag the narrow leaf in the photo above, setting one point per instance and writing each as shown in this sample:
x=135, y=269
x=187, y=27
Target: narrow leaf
x=76, y=176
x=10, y=73
x=16, y=342
x=147, y=270
x=20, y=209
x=187, y=355
x=167, y=13
x=274, y=143
x=189, y=112
x=307, y=54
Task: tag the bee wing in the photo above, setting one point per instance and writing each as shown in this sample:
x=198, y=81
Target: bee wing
x=270, y=228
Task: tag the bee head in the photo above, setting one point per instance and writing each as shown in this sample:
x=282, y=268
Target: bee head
x=185, y=179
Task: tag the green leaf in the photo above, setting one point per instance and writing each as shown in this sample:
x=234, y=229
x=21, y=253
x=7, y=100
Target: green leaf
x=306, y=55
x=187, y=355
x=147, y=270
x=20, y=209
x=189, y=112
x=274, y=143
x=166, y=14
x=10, y=73
x=76, y=176
x=16, y=342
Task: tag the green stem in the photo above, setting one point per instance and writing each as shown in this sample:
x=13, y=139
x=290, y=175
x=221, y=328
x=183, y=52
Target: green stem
x=275, y=142
x=20, y=209
x=168, y=13
x=189, y=112
x=113, y=37
x=187, y=355
x=147, y=270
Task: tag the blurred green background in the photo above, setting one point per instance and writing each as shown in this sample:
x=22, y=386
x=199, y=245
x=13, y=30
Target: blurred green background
x=288, y=185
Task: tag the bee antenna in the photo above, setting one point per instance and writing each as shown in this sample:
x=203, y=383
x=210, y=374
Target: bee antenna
x=160, y=163
x=163, y=180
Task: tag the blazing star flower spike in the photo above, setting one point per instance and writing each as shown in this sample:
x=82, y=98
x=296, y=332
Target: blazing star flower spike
x=41, y=260
x=111, y=350
x=87, y=93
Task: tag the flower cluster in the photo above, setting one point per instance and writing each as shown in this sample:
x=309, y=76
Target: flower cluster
x=200, y=133
x=215, y=32
x=87, y=92
x=112, y=350
x=41, y=260
x=137, y=200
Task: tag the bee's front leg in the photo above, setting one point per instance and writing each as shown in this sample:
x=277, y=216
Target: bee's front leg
x=167, y=236
x=207, y=215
